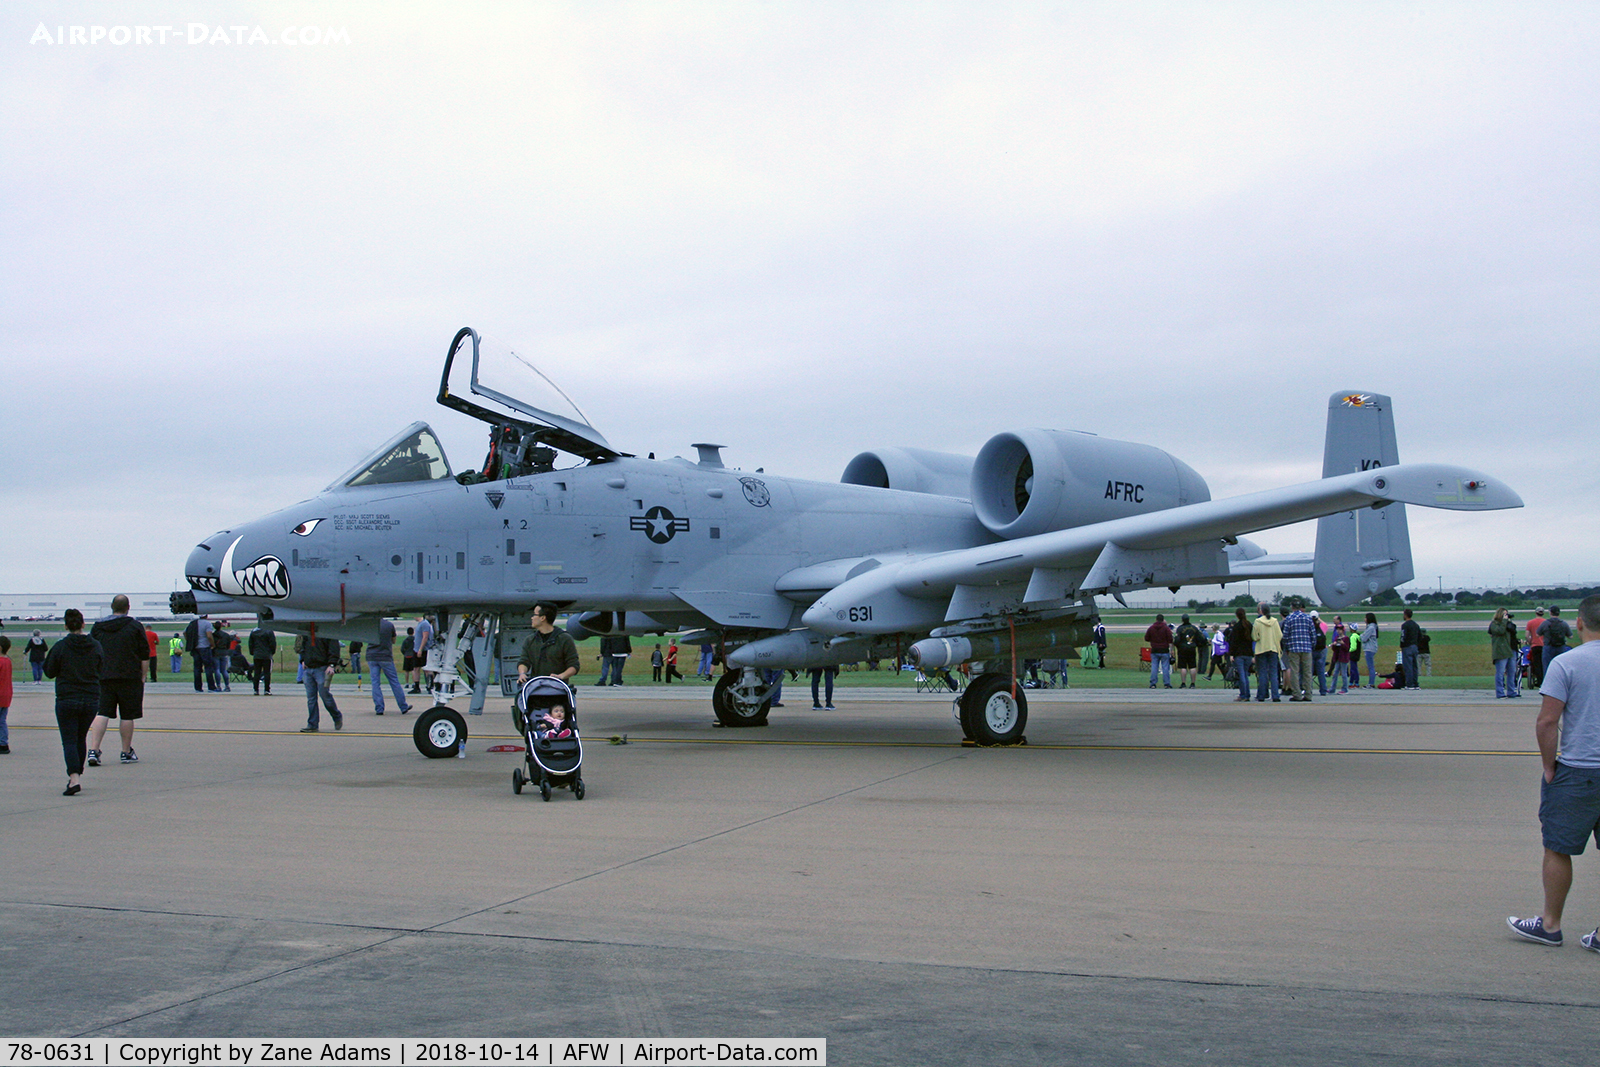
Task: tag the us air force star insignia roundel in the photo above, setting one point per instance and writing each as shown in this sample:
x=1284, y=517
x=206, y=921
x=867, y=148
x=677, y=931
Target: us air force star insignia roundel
x=658, y=524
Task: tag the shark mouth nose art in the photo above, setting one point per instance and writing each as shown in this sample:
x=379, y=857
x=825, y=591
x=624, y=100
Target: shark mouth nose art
x=267, y=578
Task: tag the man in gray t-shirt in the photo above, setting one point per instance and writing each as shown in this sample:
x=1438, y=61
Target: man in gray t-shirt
x=1568, y=731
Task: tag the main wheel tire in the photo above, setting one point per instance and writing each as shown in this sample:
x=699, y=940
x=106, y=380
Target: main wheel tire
x=990, y=715
x=516, y=781
x=439, y=733
x=740, y=699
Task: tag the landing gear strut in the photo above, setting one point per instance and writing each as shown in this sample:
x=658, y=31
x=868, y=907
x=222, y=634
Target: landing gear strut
x=446, y=654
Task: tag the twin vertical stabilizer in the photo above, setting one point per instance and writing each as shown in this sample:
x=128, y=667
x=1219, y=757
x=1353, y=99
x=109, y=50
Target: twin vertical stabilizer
x=1368, y=550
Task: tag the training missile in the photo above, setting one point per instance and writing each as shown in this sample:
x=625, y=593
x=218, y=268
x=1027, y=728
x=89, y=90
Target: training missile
x=801, y=649
x=987, y=645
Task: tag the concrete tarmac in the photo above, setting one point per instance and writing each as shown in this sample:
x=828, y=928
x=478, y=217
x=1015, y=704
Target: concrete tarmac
x=1156, y=878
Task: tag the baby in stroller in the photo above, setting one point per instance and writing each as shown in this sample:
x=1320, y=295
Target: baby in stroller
x=553, y=723
x=547, y=716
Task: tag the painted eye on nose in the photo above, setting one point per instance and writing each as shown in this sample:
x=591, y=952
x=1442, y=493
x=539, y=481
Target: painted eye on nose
x=306, y=527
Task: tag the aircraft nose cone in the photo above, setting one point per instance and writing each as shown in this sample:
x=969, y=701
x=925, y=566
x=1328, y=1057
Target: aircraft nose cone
x=203, y=568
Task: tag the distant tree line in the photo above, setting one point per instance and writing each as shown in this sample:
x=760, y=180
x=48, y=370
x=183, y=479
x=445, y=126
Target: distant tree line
x=1511, y=598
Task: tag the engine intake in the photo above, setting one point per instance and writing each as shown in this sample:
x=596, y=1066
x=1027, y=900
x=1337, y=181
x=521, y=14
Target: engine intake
x=1033, y=481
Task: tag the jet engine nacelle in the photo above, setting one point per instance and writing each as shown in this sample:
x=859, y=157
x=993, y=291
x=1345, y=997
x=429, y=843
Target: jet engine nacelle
x=913, y=470
x=1033, y=481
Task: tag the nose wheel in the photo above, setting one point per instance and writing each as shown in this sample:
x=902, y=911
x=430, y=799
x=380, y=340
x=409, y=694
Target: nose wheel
x=439, y=733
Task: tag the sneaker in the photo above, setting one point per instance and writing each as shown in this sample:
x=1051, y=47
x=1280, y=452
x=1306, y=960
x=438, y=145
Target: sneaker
x=308, y=729
x=94, y=757
x=830, y=707
x=338, y=724
x=405, y=709
x=379, y=711
x=816, y=707
x=1533, y=929
x=1591, y=940
x=129, y=756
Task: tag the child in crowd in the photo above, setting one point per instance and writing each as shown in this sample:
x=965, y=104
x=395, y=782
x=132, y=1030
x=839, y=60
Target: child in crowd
x=1341, y=657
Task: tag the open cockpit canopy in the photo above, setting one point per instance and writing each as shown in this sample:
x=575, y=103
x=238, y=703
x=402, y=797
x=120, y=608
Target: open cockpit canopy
x=510, y=380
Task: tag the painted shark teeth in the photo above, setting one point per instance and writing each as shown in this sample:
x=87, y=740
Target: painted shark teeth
x=266, y=577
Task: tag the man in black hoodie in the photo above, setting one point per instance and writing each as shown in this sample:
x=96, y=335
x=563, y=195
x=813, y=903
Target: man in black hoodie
x=125, y=647
x=74, y=662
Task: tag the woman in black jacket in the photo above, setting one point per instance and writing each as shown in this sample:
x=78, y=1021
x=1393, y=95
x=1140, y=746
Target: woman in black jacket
x=74, y=662
x=1241, y=646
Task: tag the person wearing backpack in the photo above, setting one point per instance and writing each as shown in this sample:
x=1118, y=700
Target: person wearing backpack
x=1319, y=655
x=1556, y=634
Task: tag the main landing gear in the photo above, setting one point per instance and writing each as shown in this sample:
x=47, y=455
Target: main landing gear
x=741, y=698
x=993, y=710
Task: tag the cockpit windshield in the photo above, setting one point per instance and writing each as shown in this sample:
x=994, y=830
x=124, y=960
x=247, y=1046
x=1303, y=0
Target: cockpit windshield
x=414, y=455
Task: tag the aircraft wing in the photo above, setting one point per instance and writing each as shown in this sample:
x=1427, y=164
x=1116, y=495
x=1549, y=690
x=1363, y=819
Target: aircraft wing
x=1139, y=550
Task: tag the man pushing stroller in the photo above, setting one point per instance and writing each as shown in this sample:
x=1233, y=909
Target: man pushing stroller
x=547, y=651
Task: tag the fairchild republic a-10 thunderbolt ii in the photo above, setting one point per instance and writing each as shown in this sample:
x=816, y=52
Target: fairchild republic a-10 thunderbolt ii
x=942, y=558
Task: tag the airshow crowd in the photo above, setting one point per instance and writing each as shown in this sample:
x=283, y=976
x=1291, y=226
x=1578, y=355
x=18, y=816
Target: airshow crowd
x=1288, y=653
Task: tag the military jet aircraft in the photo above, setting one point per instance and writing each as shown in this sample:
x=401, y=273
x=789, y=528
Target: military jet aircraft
x=942, y=558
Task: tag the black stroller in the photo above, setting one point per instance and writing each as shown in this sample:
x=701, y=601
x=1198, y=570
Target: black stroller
x=554, y=755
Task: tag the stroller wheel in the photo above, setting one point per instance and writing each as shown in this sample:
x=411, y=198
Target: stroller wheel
x=544, y=789
x=516, y=781
x=577, y=788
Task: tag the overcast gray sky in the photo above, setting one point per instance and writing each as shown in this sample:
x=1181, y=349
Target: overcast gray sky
x=234, y=259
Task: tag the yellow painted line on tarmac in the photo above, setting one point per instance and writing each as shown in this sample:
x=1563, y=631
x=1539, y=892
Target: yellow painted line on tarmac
x=1084, y=748
x=783, y=743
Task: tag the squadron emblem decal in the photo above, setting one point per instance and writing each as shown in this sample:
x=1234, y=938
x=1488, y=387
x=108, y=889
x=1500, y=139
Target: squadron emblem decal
x=495, y=498
x=658, y=524
x=1356, y=400
x=755, y=491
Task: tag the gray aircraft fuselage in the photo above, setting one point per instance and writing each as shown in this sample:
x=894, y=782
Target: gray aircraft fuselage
x=690, y=545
